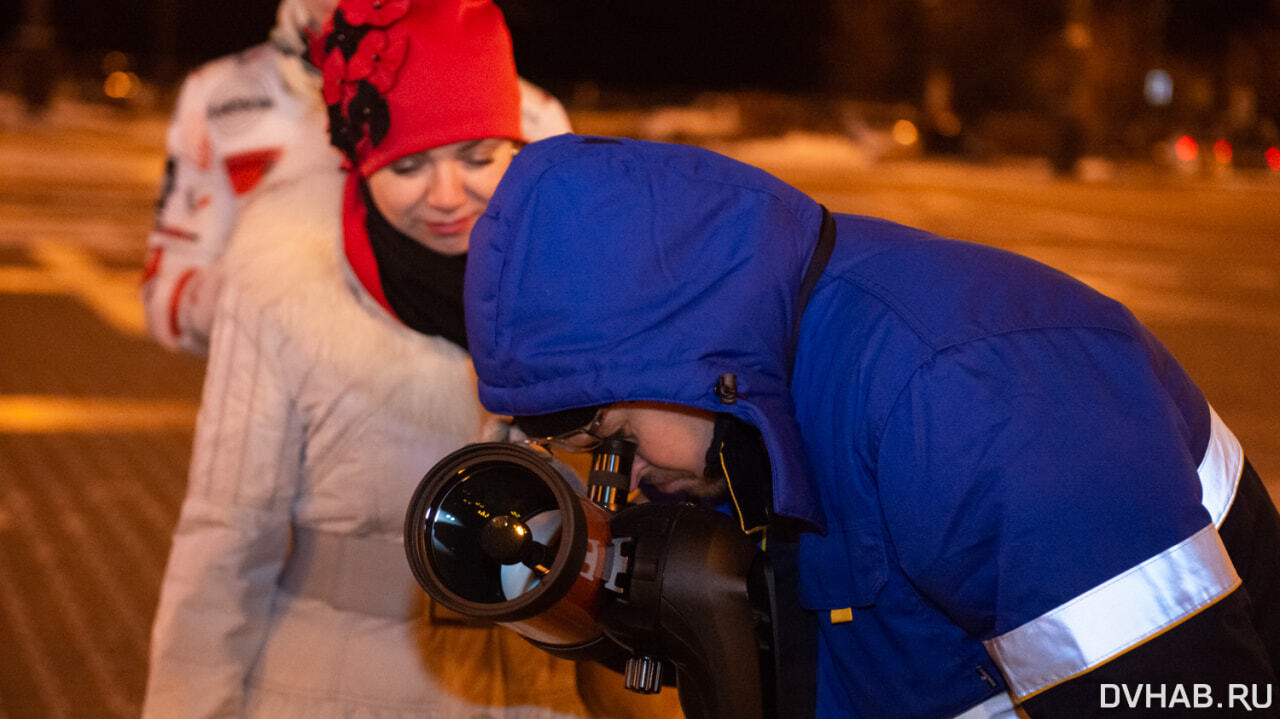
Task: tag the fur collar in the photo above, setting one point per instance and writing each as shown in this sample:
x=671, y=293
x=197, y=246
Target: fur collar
x=285, y=260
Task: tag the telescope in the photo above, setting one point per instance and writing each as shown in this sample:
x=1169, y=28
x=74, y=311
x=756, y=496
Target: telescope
x=505, y=533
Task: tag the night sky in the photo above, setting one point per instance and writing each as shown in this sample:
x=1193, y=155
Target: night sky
x=721, y=43
x=724, y=44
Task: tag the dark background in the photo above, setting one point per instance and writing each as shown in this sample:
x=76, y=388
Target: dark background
x=713, y=44
x=1002, y=67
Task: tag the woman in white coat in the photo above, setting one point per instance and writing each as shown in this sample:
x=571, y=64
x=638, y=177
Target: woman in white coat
x=338, y=374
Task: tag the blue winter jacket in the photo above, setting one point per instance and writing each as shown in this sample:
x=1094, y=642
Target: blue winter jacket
x=992, y=455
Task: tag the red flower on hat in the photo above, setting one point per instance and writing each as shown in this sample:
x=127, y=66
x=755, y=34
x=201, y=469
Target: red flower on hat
x=336, y=89
x=377, y=59
x=379, y=13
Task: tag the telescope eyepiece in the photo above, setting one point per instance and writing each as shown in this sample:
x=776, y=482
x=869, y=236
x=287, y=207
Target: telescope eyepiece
x=610, y=475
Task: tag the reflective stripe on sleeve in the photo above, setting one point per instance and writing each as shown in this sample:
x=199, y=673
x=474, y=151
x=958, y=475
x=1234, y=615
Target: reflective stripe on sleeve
x=999, y=706
x=1115, y=616
x=1220, y=469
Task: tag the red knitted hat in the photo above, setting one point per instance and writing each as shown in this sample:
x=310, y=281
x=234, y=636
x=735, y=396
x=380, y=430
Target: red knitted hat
x=403, y=76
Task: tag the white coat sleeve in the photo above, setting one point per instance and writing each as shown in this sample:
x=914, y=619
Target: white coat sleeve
x=541, y=114
x=232, y=536
x=195, y=213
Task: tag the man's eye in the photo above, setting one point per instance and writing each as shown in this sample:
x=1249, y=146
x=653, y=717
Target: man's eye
x=478, y=161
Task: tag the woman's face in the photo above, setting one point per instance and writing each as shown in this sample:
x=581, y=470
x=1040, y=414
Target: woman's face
x=436, y=196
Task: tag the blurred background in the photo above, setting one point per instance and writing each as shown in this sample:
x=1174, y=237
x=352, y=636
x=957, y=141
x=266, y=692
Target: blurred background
x=1188, y=83
x=1131, y=143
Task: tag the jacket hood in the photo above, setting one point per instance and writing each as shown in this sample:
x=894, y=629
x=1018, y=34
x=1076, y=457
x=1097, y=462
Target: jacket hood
x=293, y=25
x=291, y=37
x=609, y=270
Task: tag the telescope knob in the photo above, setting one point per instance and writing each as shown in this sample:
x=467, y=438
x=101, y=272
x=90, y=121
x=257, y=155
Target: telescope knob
x=644, y=674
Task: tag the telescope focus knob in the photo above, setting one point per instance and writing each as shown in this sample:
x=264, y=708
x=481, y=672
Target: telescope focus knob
x=644, y=674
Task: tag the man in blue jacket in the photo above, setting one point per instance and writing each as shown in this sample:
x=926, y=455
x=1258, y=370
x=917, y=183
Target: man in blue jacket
x=1011, y=494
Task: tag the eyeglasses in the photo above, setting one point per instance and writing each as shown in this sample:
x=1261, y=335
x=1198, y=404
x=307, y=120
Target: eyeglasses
x=581, y=439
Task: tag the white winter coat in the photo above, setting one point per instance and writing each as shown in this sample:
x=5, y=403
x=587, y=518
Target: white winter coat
x=321, y=412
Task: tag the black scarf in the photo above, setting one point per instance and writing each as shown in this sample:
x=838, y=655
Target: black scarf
x=423, y=287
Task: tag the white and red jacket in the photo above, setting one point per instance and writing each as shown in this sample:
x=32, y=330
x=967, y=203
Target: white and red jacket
x=237, y=118
x=286, y=593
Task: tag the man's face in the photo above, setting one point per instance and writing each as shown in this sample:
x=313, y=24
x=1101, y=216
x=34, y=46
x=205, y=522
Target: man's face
x=671, y=445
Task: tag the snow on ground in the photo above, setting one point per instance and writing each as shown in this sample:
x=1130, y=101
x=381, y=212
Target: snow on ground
x=800, y=150
x=78, y=142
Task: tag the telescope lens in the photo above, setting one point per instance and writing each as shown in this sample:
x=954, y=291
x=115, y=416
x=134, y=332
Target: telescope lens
x=506, y=539
x=495, y=532
x=520, y=578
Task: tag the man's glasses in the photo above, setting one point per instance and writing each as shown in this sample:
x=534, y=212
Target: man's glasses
x=581, y=439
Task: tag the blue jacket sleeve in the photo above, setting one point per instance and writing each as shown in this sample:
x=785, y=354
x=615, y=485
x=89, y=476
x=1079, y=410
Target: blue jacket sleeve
x=1040, y=486
x=1221, y=661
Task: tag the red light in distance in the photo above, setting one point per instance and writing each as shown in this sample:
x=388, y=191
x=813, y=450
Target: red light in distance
x=1222, y=152
x=1186, y=148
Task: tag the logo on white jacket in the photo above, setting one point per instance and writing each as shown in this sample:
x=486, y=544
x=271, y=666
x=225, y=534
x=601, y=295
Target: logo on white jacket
x=238, y=104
